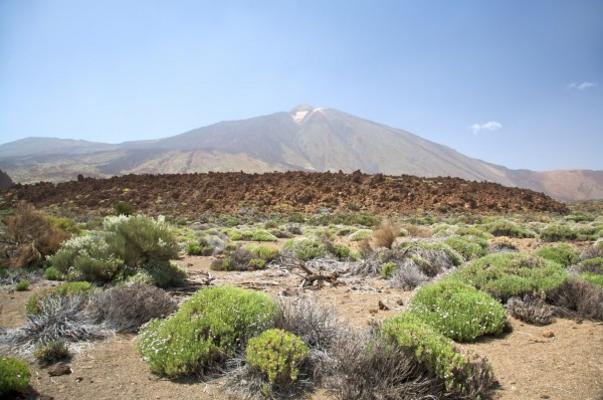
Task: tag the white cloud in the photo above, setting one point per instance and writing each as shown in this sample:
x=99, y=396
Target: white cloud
x=486, y=126
x=582, y=85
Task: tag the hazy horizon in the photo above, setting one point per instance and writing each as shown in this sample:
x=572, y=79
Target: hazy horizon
x=510, y=83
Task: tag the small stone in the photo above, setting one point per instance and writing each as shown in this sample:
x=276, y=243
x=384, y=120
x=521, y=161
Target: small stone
x=548, y=334
x=382, y=306
x=373, y=311
x=400, y=302
x=545, y=396
x=59, y=369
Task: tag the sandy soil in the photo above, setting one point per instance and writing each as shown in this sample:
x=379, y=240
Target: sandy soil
x=558, y=361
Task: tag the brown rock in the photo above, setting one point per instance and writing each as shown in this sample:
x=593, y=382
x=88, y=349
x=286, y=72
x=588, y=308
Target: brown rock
x=59, y=369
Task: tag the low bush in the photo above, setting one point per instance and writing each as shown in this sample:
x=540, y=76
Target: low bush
x=530, y=309
x=318, y=326
x=360, y=234
x=306, y=248
x=509, y=229
x=164, y=274
x=468, y=248
x=439, y=355
x=388, y=269
x=123, y=208
x=594, y=251
x=68, y=289
x=408, y=276
x=580, y=298
x=58, y=318
x=14, y=375
x=257, y=235
x=278, y=354
x=197, y=249
x=53, y=274
x=51, y=352
x=248, y=258
x=595, y=279
x=22, y=286
x=458, y=311
x=557, y=233
x=563, y=253
x=211, y=326
x=504, y=275
x=127, y=308
x=363, y=367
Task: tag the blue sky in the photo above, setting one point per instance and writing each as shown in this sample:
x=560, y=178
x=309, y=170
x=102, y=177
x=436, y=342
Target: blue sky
x=518, y=83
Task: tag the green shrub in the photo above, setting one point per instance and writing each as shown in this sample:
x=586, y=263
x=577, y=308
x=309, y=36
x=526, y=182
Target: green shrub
x=592, y=265
x=257, y=235
x=265, y=253
x=138, y=239
x=89, y=256
x=557, y=233
x=306, y=249
x=278, y=354
x=473, y=232
x=564, y=254
x=388, y=269
x=458, y=311
x=123, y=208
x=52, y=352
x=126, y=245
x=209, y=327
x=53, y=274
x=361, y=234
x=22, y=285
x=431, y=348
x=65, y=224
x=198, y=249
x=510, y=229
x=595, y=279
x=504, y=275
x=341, y=251
x=165, y=274
x=14, y=375
x=468, y=248
x=427, y=247
x=248, y=258
x=67, y=289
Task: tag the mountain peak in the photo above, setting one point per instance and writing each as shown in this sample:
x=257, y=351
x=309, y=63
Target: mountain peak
x=300, y=112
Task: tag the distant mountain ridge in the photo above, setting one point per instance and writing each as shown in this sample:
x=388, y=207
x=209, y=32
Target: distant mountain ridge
x=306, y=138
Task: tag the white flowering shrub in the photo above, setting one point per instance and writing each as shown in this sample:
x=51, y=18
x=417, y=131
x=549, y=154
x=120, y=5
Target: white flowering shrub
x=458, y=311
x=211, y=326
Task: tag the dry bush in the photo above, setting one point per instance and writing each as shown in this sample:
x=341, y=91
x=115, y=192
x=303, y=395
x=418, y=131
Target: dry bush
x=364, y=248
x=34, y=235
x=530, y=309
x=126, y=308
x=578, y=297
x=408, y=276
x=248, y=383
x=317, y=326
x=60, y=318
x=362, y=368
x=418, y=231
x=385, y=235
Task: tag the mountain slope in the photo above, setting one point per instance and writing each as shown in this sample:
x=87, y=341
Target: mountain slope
x=306, y=138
